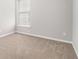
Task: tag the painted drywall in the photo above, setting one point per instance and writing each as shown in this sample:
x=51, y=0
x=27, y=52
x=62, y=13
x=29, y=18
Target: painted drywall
x=51, y=18
x=7, y=16
x=75, y=25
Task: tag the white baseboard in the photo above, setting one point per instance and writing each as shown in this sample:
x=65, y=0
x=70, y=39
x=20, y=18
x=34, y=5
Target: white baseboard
x=75, y=49
x=7, y=34
x=45, y=37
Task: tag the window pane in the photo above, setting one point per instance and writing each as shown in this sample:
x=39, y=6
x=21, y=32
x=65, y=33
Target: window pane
x=23, y=9
x=24, y=5
x=23, y=19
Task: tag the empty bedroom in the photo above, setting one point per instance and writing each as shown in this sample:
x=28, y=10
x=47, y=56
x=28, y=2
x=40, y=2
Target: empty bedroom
x=39, y=29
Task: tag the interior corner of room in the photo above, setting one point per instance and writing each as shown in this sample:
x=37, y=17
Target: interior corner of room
x=50, y=19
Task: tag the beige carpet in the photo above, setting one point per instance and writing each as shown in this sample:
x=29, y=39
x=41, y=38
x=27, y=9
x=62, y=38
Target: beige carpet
x=17, y=46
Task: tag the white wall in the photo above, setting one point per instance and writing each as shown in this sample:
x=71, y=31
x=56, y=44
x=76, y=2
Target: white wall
x=7, y=16
x=75, y=25
x=51, y=18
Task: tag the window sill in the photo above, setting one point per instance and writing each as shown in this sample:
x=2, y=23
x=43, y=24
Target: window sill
x=24, y=26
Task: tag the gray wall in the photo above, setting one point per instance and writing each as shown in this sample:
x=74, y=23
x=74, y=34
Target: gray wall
x=75, y=25
x=7, y=18
x=51, y=18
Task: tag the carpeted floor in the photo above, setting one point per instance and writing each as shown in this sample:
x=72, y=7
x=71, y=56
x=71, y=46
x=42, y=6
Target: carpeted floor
x=17, y=46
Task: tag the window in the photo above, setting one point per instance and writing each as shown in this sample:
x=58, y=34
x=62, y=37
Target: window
x=22, y=10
